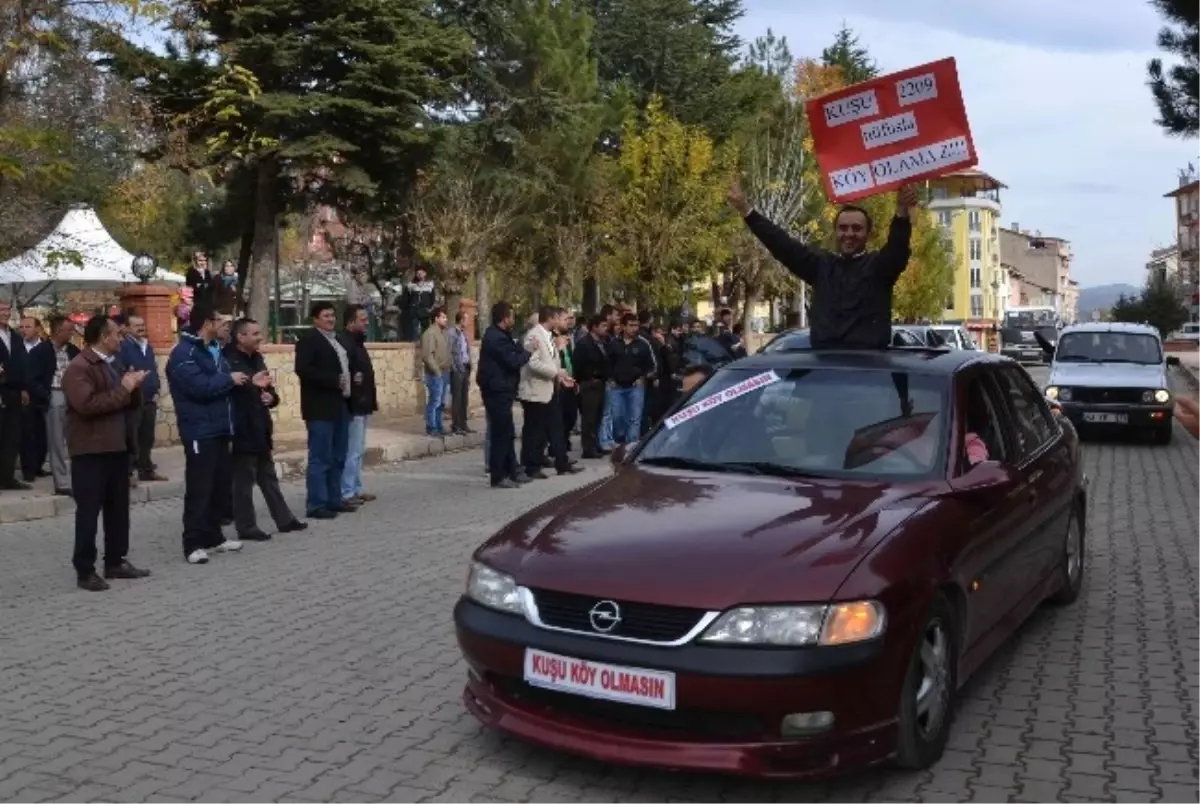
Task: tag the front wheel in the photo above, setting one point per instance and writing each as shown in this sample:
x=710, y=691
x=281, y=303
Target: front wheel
x=1071, y=568
x=1162, y=435
x=926, y=705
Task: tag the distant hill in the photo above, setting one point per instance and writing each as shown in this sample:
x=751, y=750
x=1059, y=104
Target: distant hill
x=1102, y=297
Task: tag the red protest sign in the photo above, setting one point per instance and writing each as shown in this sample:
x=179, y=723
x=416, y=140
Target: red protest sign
x=882, y=133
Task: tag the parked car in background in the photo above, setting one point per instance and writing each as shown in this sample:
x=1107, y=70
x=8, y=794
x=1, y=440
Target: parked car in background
x=790, y=576
x=956, y=337
x=1112, y=375
x=903, y=336
x=1189, y=332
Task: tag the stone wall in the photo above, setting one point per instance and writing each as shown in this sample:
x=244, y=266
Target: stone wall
x=398, y=378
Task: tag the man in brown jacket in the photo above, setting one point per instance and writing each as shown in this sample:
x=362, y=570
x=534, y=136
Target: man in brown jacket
x=98, y=401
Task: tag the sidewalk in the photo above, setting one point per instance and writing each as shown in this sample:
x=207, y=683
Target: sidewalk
x=388, y=441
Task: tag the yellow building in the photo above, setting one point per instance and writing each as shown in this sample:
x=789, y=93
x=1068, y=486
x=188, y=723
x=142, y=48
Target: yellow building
x=966, y=204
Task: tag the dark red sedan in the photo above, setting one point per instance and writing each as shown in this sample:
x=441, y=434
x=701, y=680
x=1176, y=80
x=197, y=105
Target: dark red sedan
x=791, y=575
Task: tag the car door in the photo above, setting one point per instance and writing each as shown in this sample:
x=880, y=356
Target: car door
x=1045, y=465
x=996, y=534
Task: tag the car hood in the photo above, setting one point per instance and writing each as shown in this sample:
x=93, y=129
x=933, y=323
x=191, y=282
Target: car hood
x=1108, y=375
x=701, y=540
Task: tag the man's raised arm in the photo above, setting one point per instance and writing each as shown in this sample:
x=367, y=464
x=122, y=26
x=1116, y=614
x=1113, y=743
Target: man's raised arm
x=798, y=258
x=896, y=251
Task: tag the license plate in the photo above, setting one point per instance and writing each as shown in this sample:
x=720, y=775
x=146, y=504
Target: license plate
x=610, y=682
x=1106, y=418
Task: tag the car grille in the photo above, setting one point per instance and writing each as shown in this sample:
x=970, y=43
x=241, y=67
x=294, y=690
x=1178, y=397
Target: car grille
x=693, y=723
x=1110, y=396
x=638, y=620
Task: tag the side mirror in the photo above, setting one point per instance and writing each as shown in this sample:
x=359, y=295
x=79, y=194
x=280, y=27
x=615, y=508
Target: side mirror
x=1047, y=347
x=1172, y=360
x=985, y=479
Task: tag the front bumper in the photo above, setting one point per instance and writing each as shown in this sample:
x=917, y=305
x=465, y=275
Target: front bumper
x=729, y=702
x=1137, y=416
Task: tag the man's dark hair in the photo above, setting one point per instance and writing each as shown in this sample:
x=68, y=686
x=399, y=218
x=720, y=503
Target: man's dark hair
x=725, y=311
x=435, y=312
x=241, y=325
x=607, y=310
x=55, y=322
x=351, y=313
x=320, y=307
x=500, y=311
x=597, y=320
x=459, y=316
x=120, y=319
x=853, y=208
x=644, y=317
x=629, y=318
x=95, y=328
x=698, y=368
x=203, y=311
x=546, y=313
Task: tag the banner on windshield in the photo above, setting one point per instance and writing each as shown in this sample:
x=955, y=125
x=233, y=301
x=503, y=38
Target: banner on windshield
x=875, y=136
x=720, y=398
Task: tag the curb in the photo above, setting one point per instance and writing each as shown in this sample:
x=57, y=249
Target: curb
x=289, y=465
x=1188, y=414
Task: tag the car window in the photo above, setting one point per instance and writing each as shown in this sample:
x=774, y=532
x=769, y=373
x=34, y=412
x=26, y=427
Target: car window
x=1031, y=419
x=902, y=337
x=983, y=419
x=1108, y=347
x=786, y=341
x=827, y=422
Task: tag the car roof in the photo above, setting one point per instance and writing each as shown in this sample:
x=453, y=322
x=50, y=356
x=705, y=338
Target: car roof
x=909, y=360
x=1111, y=326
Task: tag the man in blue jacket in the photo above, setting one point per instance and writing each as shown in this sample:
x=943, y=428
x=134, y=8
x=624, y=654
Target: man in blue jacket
x=499, y=373
x=137, y=353
x=201, y=383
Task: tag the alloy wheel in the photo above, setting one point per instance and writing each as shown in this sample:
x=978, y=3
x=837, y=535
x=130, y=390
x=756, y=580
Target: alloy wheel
x=1074, y=552
x=933, y=692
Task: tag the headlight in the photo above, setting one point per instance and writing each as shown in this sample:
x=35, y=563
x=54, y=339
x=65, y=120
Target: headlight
x=1161, y=396
x=493, y=589
x=1051, y=392
x=836, y=624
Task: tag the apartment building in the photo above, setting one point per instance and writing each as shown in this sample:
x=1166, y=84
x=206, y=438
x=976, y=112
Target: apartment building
x=1163, y=264
x=1039, y=269
x=966, y=204
x=1187, y=234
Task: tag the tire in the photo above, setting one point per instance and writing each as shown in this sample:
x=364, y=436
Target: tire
x=927, y=697
x=1162, y=435
x=1071, y=570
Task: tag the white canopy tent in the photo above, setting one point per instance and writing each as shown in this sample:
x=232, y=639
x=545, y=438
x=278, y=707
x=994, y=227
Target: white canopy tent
x=79, y=254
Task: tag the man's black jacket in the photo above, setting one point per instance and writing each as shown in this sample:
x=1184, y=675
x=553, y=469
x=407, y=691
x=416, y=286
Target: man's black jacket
x=630, y=362
x=500, y=362
x=13, y=360
x=320, y=374
x=590, y=360
x=363, y=398
x=252, y=427
x=39, y=371
x=852, y=296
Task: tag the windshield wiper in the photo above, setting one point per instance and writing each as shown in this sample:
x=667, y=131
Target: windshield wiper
x=772, y=468
x=675, y=462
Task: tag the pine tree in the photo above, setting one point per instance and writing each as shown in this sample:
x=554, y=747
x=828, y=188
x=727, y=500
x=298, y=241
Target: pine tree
x=329, y=102
x=853, y=58
x=1175, y=90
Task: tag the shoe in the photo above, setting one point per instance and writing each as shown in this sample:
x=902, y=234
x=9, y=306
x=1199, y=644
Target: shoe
x=92, y=583
x=125, y=570
x=152, y=477
x=294, y=526
x=351, y=503
x=521, y=479
x=366, y=497
x=16, y=485
x=547, y=463
x=591, y=456
x=537, y=474
x=226, y=522
x=197, y=557
x=64, y=493
x=570, y=470
x=29, y=478
x=228, y=546
x=44, y=473
x=255, y=536
x=322, y=513
x=506, y=483
x=342, y=509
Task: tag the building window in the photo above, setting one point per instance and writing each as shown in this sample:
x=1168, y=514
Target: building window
x=973, y=220
x=976, y=249
x=976, y=307
x=944, y=218
x=939, y=193
x=976, y=275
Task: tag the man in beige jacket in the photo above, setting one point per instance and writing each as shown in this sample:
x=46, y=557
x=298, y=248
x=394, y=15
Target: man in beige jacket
x=435, y=357
x=541, y=379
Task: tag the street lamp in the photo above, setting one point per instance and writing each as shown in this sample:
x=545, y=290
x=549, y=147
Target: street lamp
x=144, y=267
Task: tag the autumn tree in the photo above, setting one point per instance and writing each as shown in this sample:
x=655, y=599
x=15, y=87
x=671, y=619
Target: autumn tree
x=668, y=225
x=1176, y=89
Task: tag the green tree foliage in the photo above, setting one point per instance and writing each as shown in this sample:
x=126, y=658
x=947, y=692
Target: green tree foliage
x=848, y=54
x=328, y=102
x=1160, y=304
x=1176, y=88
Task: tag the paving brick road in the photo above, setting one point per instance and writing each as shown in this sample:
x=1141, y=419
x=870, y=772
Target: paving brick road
x=322, y=667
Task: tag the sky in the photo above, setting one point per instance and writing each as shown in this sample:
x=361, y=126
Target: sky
x=1056, y=96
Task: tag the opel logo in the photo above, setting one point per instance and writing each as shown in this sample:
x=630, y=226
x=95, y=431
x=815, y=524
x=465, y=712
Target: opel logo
x=605, y=616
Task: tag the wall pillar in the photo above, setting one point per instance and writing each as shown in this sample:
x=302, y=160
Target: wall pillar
x=152, y=303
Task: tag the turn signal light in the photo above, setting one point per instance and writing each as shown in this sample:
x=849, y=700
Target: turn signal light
x=852, y=622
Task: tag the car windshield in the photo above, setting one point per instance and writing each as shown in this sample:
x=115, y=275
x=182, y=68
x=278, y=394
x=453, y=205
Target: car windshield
x=1108, y=347
x=788, y=341
x=1027, y=319
x=857, y=423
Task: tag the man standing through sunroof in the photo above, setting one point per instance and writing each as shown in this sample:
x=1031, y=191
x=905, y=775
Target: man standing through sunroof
x=852, y=287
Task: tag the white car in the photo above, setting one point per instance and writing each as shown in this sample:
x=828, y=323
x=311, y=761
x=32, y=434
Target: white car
x=1114, y=375
x=1190, y=332
x=956, y=337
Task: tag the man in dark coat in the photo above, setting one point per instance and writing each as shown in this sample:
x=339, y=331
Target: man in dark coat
x=591, y=374
x=363, y=402
x=253, y=462
x=323, y=366
x=47, y=364
x=13, y=398
x=499, y=373
x=852, y=288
